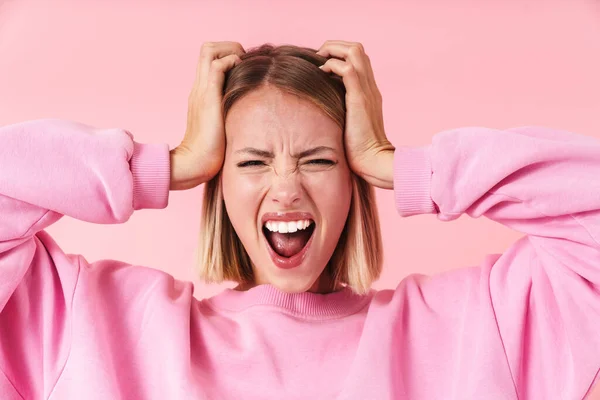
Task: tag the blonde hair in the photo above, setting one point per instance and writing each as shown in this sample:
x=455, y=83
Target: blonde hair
x=357, y=258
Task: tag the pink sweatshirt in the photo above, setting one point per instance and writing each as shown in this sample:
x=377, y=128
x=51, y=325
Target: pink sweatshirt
x=522, y=325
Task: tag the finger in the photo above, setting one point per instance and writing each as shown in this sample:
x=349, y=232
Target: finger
x=222, y=49
x=216, y=76
x=348, y=73
x=355, y=53
x=211, y=51
x=330, y=42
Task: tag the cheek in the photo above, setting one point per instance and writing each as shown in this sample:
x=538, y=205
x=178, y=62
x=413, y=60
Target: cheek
x=242, y=194
x=331, y=194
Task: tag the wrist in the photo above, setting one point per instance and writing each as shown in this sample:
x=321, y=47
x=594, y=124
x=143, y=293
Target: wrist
x=381, y=174
x=182, y=177
x=387, y=170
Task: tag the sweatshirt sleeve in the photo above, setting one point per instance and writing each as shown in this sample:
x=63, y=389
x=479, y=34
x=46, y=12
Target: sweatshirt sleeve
x=545, y=289
x=50, y=168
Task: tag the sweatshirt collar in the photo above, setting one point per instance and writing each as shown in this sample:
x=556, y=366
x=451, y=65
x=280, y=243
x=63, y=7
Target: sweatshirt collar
x=304, y=304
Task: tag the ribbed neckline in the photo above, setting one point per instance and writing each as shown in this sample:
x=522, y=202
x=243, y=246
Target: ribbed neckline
x=305, y=304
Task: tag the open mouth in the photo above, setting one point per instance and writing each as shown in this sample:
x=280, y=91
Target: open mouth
x=288, y=238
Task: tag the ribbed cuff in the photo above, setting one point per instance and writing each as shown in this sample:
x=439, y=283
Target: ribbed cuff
x=412, y=181
x=151, y=168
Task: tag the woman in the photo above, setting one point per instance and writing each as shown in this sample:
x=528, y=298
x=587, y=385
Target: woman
x=290, y=154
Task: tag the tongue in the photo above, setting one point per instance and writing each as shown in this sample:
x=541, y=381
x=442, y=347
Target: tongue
x=288, y=244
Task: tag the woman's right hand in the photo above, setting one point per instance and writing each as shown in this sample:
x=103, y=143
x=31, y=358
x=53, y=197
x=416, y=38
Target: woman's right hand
x=200, y=155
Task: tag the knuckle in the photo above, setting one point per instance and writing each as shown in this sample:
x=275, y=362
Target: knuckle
x=207, y=49
x=354, y=51
x=216, y=64
x=348, y=68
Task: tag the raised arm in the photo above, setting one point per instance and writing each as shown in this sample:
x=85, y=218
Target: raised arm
x=534, y=310
x=50, y=168
x=543, y=294
x=53, y=304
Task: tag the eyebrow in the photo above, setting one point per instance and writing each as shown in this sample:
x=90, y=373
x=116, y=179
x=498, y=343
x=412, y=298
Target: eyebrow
x=268, y=154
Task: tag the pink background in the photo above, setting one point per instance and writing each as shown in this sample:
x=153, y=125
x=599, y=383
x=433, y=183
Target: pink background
x=439, y=65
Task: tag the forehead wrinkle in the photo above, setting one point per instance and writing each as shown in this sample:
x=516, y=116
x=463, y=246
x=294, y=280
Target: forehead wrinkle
x=279, y=121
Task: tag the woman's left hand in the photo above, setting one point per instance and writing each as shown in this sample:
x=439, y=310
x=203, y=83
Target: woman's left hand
x=369, y=153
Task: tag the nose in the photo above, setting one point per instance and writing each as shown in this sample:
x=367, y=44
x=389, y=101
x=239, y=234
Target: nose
x=286, y=190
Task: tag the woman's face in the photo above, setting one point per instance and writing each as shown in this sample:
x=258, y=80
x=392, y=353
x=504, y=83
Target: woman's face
x=285, y=169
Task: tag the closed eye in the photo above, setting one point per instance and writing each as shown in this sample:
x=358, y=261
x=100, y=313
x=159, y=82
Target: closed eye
x=321, y=161
x=258, y=163
x=251, y=163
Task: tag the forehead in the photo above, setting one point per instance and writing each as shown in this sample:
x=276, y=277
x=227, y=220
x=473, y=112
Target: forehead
x=269, y=116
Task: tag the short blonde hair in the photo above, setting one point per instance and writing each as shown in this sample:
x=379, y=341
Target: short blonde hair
x=358, y=256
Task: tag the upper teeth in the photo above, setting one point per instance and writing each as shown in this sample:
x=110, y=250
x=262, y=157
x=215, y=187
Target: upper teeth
x=287, y=226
